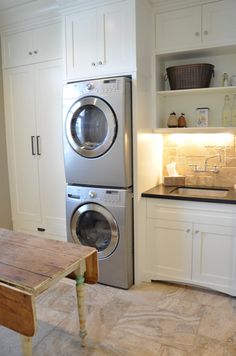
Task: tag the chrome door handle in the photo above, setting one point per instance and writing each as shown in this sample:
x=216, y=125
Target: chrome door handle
x=38, y=146
x=32, y=145
x=188, y=230
x=196, y=231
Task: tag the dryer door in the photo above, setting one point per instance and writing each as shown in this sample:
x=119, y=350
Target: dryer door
x=91, y=127
x=93, y=225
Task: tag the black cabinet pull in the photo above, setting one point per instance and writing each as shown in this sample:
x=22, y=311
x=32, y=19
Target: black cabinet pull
x=38, y=145
x=41, y=229
x=32, y=146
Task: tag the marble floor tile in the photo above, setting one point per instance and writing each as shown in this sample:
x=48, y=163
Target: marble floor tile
x=205, y=297
x=152, y=319
x=170, y=351
x=219, y=323
x=211, y=347
x=100, y=319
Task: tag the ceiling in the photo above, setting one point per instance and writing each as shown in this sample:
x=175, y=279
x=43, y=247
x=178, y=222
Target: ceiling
x=7, y=4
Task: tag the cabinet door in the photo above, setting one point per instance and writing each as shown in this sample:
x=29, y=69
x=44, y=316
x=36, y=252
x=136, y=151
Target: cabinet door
x=115, y=43
x=214, y=260
x=22, y=161
x=81, y=43
x=47, y=43
x=178, y=30
x=32, y=46
x=17, y=49
x=169, y=249
x=219, y=25
x=50, y=151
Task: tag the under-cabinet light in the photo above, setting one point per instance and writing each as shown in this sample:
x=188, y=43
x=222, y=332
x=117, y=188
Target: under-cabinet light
x=219, y=139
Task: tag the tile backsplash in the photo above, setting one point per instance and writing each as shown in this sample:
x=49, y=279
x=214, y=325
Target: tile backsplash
x=189, y=150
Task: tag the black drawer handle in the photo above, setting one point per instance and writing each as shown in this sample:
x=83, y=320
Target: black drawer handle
x=41, y=229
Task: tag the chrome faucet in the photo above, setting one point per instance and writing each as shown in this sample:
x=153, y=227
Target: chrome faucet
x=207, y=159
x=214, y=169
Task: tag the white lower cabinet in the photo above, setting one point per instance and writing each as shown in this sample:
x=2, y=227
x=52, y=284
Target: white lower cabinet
x=192, y=242
x=32, y=96
x=170, y=248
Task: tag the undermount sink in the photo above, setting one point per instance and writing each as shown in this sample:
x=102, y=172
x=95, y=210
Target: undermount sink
x=203, y=192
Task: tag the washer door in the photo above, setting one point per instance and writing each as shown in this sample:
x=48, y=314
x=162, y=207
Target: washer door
x=93, y=225
x=91, y=127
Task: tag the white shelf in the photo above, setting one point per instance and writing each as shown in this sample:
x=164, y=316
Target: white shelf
x=212, y=90
x=188, y=130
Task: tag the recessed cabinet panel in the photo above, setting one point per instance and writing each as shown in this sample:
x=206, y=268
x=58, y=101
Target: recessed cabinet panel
x=169, y=248
x=50, y=154
x=18, y=49
x=99, y=41
x=35, y=158
x=81, y=42
x=214, y=255
x=218, y=23
x=21, y=128
x=32, y=46
x=197, y=27
x=47, y=41
x=115, y=42
x=179, y=248
x=178, y=30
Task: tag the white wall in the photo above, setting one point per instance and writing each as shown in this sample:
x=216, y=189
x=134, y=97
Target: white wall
x=5, y=208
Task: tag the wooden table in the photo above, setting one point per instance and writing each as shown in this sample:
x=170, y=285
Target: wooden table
x=28, y=266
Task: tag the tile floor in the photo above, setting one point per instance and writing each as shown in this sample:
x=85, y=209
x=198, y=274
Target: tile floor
x=150, y=319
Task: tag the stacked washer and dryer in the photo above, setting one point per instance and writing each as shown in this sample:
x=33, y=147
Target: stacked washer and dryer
x=98, y=168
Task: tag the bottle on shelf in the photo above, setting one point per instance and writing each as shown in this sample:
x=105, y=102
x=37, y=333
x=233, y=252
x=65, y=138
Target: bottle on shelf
x=226, y=113
x=225, y=80
x=172, y=120
x=182, y=121
x=233, y=111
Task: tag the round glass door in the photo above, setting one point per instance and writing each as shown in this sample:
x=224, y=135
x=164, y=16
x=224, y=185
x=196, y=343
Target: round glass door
x=91, y=127
x=93, y=225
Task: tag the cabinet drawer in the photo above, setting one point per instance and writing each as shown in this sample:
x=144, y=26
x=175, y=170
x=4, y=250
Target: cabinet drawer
x=192, y=211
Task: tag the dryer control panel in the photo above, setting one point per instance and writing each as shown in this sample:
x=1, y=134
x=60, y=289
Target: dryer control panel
x=108, y=197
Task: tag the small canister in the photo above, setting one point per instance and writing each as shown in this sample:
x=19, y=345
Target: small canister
x=182, y=121
x=172, y=120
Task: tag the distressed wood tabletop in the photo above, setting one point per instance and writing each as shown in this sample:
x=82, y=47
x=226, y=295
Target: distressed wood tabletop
x=28, y=266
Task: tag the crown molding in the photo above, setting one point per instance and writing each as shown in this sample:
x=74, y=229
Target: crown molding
x=168, y=5
x=29, y=13
x=68, y=6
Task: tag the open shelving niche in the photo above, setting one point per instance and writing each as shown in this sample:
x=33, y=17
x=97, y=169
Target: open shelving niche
x=187, y=101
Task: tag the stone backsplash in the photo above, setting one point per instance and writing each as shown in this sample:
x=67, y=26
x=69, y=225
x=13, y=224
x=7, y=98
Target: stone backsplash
x=188, y=150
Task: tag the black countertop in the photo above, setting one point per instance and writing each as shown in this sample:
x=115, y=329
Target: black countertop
x=160, y=191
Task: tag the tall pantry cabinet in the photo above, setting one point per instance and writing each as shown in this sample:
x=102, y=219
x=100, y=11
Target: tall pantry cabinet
x=33, y=100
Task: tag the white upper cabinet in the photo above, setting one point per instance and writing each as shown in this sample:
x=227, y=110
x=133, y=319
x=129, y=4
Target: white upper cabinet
x=32, y=46
x=209, y=25
x=99, y=41
x=219, y=25
x=178, y=30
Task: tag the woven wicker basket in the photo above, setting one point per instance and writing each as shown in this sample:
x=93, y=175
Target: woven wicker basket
x=190, y=76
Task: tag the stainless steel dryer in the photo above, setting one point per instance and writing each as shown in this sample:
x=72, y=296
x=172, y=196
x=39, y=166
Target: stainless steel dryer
x=97, y=132
x=102, y=218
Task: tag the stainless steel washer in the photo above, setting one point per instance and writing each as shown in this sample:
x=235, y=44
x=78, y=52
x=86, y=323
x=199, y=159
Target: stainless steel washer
x=102, y=218
x=97, y=132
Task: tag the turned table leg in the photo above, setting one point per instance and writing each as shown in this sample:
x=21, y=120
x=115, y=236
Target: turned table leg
x=81, y=300
x=26, y=343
